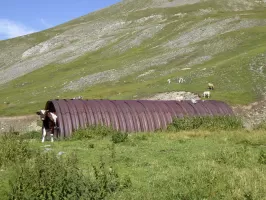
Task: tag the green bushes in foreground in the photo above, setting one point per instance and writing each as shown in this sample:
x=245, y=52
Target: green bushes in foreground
x=34, y=174
x=92, y=132
x=51, y=177
x=14, y=149
x=206, y=123
x=99, y=131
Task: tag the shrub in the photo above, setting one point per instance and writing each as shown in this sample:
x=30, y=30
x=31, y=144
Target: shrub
x=14, y=149
x=30, y=135
x=206, y=122
x=119, y=137
x=262, y=157
x=261, y=126
x=94, y=131
x=52, y=177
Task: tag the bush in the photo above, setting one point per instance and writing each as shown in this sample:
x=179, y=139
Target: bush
x=30, y=135
x=119, y=137
x=206, y=122
x=13, y=149
x=92, y=132
x=52, y=177
x=261, y=126
x=262, y=157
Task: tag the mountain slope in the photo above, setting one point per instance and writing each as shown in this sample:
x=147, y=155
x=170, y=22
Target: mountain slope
x=130, y=49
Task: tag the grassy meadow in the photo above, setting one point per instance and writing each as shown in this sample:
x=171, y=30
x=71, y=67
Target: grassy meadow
x=200, y=162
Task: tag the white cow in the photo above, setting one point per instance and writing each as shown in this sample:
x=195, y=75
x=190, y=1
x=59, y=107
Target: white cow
x=79, y=97
x=181, y=80
x=206, y=94
x=49, y=123
x=210, y=86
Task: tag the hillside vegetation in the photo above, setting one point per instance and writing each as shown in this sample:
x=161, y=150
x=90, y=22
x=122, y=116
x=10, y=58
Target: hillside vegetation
x=130, y=49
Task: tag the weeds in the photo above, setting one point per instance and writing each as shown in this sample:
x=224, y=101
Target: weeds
x=93, y=131
x=14, y=149
x=262, y=157
x=261, y=126
x=30, y=135
x=51, y=177
x=119, y=137
x=100, y=131
x=206, y=123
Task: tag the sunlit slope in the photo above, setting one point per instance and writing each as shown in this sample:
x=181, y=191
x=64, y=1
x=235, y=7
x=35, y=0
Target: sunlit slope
x=129, y=50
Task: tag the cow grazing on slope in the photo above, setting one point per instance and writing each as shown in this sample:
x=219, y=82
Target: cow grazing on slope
x=206, y=94
x=49, y=120
x=210, y=86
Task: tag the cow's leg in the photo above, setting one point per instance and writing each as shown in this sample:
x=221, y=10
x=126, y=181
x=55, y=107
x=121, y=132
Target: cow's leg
x=52, y=137
x=43, y=134
x=52, y=134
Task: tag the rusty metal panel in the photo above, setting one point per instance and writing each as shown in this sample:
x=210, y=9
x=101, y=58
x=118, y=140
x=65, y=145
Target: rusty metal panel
x=103, y=110
x=154, y=116
x=148, y=109
x=199, y=108
x=180, y=108
x=207, y=110
x=170, y=106
x=116, y=115
x=211, y=108
x=97, y=112
x=120, y=115
x=162, y=118
x=89, y=113
x=162, y=113
x=73, y=115
x=133, y=110
x=128, y=118
x=81, y=115
x=112, y=113
x=66, y=117
x=86, y=113
x=167, y=111
x=223, y=108
x=140, y=109
x=132, y=118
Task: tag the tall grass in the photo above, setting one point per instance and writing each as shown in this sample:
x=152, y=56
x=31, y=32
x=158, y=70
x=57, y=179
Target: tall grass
x=34, y=174
x=206, y=123
x=14, y=149
x=51, y=177
x=261, y=126
x=97, y=131
x=93, y=131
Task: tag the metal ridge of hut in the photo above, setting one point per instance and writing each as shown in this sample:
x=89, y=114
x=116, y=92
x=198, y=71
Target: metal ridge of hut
x=129, y=115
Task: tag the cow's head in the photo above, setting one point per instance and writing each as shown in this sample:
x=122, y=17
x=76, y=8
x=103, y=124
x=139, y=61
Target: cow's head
x=42, y=113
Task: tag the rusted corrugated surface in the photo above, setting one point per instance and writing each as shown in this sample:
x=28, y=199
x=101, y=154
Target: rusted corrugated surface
x=129, y=115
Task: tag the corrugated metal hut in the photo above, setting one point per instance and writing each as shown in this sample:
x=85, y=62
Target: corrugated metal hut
x=129, y=115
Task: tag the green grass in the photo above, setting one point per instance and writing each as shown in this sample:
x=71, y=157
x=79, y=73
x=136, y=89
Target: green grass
x=229, y=70
x=195, y=164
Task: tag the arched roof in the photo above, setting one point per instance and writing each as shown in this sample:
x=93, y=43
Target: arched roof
x=129, y=115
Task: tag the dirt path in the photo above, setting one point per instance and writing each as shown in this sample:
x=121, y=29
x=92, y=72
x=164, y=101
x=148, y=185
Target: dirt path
x=252, y=114
x=19, y=123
